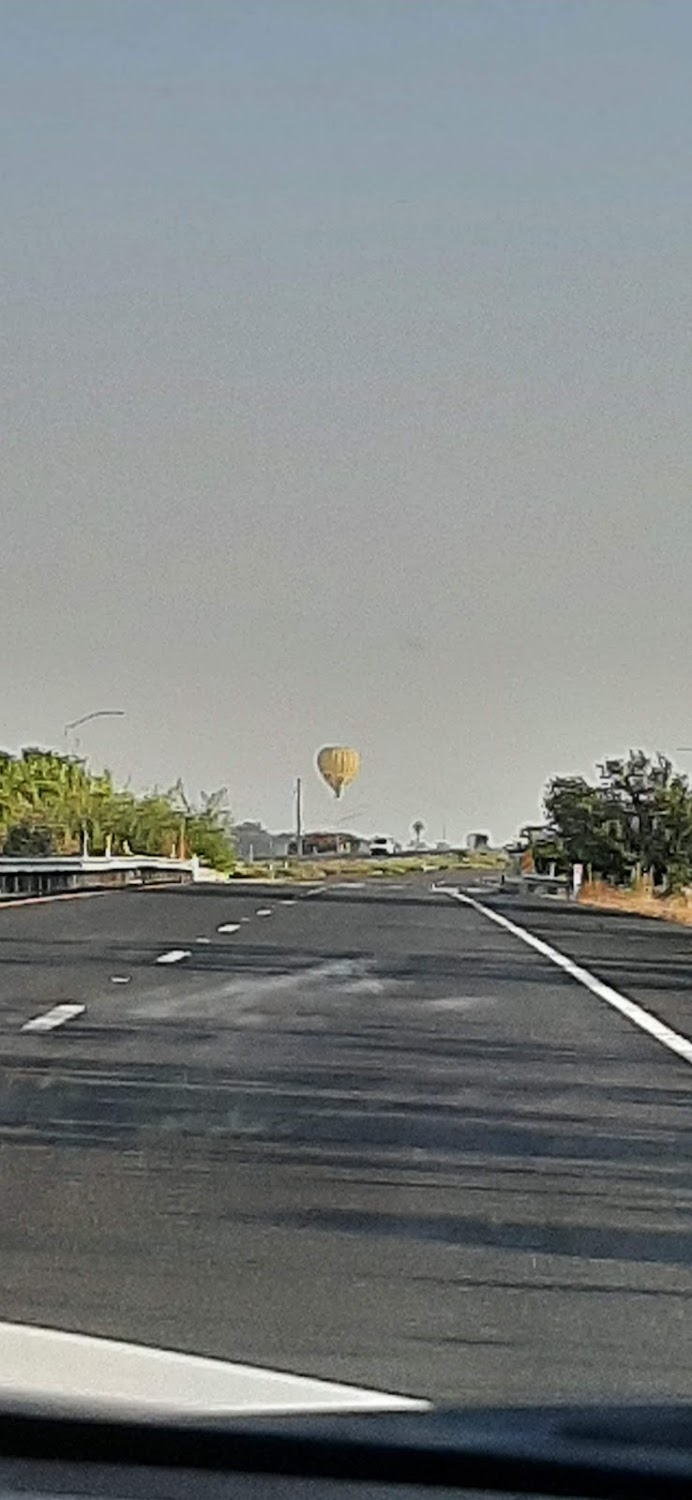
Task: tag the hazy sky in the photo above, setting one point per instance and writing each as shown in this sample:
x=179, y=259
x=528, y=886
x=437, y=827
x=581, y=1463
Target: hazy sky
x=348, y=392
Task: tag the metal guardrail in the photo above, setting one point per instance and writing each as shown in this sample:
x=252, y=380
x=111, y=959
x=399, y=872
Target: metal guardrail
x=47, y=876
x=553, y=884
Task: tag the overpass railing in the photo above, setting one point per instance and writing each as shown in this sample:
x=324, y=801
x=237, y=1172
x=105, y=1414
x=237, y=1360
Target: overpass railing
x=29, y=875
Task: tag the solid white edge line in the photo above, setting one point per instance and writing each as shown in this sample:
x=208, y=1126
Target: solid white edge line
x=174, y=956
x=57, y=1016
x=676, y=1043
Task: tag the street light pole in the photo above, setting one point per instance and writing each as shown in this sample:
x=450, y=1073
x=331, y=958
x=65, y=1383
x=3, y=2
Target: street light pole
x=100, y=713
x=299, y=816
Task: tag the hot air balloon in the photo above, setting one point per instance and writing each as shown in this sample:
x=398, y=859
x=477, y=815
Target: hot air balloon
x=338, y=766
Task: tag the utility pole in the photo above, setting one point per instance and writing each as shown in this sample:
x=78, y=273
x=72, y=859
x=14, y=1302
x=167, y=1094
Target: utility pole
x=101, y=713
x=299, y=816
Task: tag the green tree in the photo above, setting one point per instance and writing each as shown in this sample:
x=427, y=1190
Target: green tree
x=581, y=828
x=28, y=839
x=52, y=799
x=638, y=816
x=205, y=829
x=651, y=806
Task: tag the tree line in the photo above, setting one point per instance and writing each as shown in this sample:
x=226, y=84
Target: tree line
x=54, y=804
x=635, y=818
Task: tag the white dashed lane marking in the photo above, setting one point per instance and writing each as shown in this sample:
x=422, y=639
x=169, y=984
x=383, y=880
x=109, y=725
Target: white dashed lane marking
x=203, y=940
x=263, y=911
x=229, y=927
x=174, y=956
x=55, y=1017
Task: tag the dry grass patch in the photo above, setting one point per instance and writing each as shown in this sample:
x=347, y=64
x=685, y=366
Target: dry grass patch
x=639, y=899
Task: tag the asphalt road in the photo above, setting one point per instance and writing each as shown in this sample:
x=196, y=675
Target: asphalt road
x=367, y=1135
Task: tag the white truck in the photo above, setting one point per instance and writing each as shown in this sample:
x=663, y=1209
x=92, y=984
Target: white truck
x=383, y=846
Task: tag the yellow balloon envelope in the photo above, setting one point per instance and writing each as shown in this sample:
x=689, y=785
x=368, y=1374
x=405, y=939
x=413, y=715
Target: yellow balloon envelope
x=338, y=766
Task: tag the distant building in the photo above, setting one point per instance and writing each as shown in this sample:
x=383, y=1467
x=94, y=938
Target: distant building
x=328, y=843
x=477, y=841
x=535, y=833
x=280, y=844
x=252, y=841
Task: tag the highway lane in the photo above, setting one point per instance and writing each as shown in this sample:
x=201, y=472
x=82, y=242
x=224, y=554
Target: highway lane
x=75, y=947
x=646, y=959
x=366, y=1135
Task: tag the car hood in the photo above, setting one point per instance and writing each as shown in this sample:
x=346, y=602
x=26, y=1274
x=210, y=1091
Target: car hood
x=73, y=1372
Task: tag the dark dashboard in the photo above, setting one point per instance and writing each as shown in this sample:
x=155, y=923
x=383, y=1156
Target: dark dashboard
x=627, y=1453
